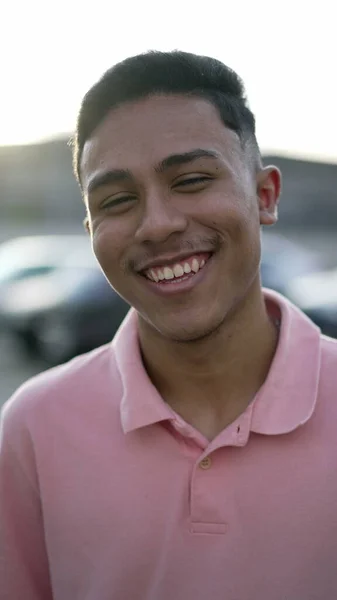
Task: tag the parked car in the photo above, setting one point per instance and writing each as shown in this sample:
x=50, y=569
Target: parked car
x=68, y=309
x=283, y=260
x=71, y=308
x=32, y=256
x=28, y=257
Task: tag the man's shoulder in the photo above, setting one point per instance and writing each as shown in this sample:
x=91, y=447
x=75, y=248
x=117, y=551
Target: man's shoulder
x=329, y=348
x=76, y=383
x=328, y=367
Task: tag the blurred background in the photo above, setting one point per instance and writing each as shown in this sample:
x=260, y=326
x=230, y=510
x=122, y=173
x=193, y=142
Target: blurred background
x=54, y=302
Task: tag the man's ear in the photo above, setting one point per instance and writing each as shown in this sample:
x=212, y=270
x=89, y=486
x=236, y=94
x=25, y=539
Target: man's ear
x=269, y=181
x=86, y=224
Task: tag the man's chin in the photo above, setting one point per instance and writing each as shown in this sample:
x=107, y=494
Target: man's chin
x=187, y=332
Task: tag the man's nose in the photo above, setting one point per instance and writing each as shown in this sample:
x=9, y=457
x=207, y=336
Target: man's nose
x=159, y=220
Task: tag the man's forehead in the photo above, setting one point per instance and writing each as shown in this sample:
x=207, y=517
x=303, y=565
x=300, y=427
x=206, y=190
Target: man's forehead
x=155, y=128
x=95, y=161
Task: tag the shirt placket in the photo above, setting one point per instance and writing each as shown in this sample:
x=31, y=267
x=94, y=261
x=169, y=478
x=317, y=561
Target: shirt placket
x=209, y=508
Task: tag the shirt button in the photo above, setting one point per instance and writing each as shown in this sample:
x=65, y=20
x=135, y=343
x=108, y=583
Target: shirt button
x=205, y=463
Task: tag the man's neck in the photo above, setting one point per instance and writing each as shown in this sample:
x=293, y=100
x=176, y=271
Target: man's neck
x=211, y=382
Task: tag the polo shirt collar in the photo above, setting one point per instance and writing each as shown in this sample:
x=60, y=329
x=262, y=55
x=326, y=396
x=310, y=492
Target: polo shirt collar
x=285, y=401
x=141, y=403
x=288, y=396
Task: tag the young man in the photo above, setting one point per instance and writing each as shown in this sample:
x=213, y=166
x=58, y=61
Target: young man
x=194, y=456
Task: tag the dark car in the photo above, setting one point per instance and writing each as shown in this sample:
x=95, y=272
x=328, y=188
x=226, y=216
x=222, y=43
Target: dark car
x=32, y=256
x=25, y=258
x=60, y=315
x=67, y=310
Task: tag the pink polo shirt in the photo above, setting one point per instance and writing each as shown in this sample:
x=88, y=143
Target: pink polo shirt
x=107, y=494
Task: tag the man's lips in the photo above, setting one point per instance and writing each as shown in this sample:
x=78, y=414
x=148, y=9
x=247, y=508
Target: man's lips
x=171, y=283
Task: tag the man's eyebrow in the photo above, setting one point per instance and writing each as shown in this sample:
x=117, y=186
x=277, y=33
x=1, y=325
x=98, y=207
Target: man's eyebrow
x=184, y=158
x=122, y=175
x=108, y=177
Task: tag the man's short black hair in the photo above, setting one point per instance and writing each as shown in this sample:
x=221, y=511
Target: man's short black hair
x=173, y=72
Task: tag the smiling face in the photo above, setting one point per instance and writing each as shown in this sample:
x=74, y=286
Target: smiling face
x=174, y=208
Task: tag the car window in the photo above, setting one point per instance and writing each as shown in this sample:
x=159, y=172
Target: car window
x=33, y=272
x=37, y=255
x=26, y=273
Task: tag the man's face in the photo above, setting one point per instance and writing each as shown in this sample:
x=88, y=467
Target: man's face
x=174, y=212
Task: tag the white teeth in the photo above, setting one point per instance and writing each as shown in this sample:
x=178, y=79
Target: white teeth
x=195, y=265
x=178, y=271
x=168, y=273
x=154, y=276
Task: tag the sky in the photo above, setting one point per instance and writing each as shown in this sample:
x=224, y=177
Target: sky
x=285, y=51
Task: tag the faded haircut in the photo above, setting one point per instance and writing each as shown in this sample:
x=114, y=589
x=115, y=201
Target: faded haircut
x=175, y=73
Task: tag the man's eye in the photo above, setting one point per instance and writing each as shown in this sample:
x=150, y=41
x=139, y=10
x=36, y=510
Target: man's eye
x=114, y=201
x=192, y=181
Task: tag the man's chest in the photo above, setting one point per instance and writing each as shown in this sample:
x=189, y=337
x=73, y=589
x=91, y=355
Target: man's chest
x=139, y=517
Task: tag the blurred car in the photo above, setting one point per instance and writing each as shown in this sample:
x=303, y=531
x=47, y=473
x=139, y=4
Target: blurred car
x=71, y=308
x=316, y=295
x=283, y=260
x=66, y=310
x=32, y=256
